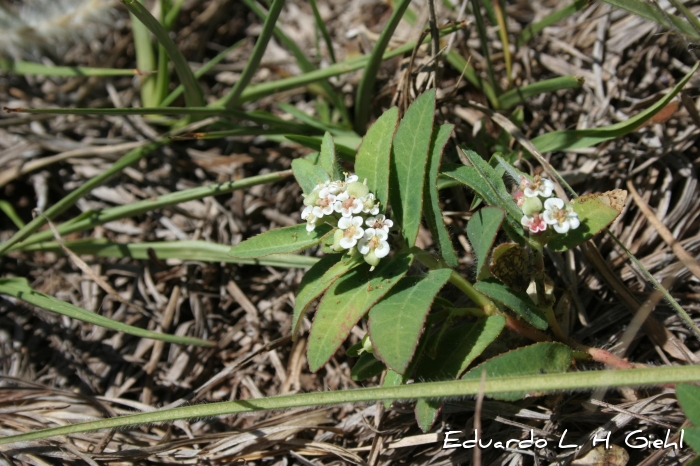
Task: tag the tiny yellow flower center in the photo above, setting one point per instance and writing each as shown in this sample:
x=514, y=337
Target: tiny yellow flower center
x=347, y=204
x=350, y=232
x=559, y=215
x=374, y=242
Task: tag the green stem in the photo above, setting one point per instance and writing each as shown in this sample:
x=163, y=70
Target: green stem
x=539, y=383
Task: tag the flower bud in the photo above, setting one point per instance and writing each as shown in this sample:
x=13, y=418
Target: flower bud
x=532, y=205
x=357, y=189
x=311, y=198
x=371, y=259
x=367, y=345
x=337, y=236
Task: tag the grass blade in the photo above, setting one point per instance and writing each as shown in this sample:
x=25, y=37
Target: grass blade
x=20, y=289
x=70, y=199
x=576, y=139
x=257, y=91
x=92, y=219
x=366, y=87
x=515, y=96
x=188, y=250
x=27, y=68
x=540, y=383
x=647, y=11
x=533, y=29
x=193, y=93
x=233, y=97
x=145, y=60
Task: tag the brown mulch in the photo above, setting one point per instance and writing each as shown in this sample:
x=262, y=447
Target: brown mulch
x=54, y=370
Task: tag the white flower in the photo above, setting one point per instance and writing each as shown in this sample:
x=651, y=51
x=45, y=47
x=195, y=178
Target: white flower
x=538, y=187
x=308, y=210
x=325, y=204
x=352, y=231
x=351, y=178
x=347, y=205
x=560, y=215
x=369, y=206
x=374, y=240
x=535, y=224
x=380, y=222
x=311, y=221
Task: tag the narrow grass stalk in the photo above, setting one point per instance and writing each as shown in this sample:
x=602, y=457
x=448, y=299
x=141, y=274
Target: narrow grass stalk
x=483, y=38
x=681, y=312
x=70, y=199
x=27, y=68
x=92, y=219
x=257, y=91
x=145, y=60
x=533, y=29
x=20, y=289
x=541, y=383
x=256, y=117
x=324, y=87
x=503, y=34
x=171, y=16
x=324, y=32
x=515, y=96
x=188, y=250
x=7, y=208
x=647, y=11
x=232, y=98
x=193, y=93
x=366, y=87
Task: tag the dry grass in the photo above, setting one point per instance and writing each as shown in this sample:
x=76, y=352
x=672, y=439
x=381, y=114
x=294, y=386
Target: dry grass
x=56, y=371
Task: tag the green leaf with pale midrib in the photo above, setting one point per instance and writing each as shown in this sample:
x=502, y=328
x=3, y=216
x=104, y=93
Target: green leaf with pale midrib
x=456, y=349
x=518, y=301
x=279, y=241
x=308, y=175
x=433, y=214
x=20, y=289
x=594, y=215
x=408, y=163
x=372, y=159
x=538, y=359
x=482, y=229
x=327, y=159
x=346, y=301
x=396, y=322
x=316, y=281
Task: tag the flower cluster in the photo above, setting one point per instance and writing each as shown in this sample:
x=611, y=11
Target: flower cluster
x=553, y=211
x=354, y=210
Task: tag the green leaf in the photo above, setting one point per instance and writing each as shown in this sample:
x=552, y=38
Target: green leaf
x=396, y=322
x=19, y=288
x=372, y=160
x=595, y=213
x=577, y=139
x=366, y=367
x=692, y=437
x=689, y=398
x=472, y=179
x=433, y=214
x=518, y=301
x=279, y=241
x=315, y=143
x=326, y=159
x=308, y=175
x=7, y=208
x=346, y=301
x=316, y=281
x=482, y=229
x=456, y=349
x=410, y=156
x=540, y=358
x=520, y=94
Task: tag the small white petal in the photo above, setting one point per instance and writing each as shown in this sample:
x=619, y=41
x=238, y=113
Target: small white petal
x=553, y=202
x=381, y=234
x=358, y=233
x=530, y=193
x=525, y=221
x=357, y=221
x=347, y=243
x=310, y=227
x=561, y=227
x=344, y=223
x=547, y=216
x=363, y=246
x=574, y=222
x=369, y=233
x=382, y=249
